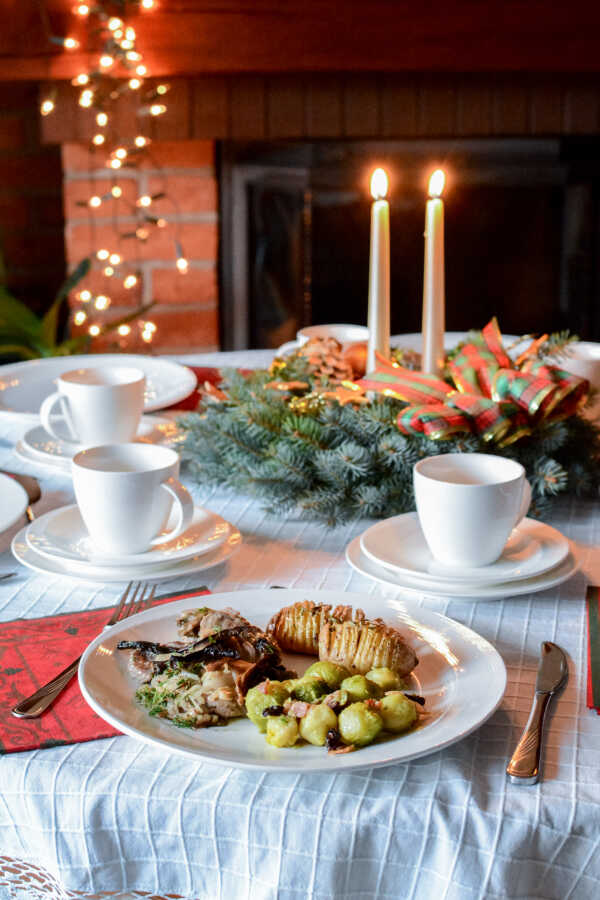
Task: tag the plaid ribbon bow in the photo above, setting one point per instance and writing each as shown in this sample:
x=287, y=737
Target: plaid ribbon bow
x=488, y=395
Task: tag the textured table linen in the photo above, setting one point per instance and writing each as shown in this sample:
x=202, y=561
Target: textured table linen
x=118, y=815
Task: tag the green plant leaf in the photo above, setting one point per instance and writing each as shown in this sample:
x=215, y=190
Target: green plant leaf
x=49, y=323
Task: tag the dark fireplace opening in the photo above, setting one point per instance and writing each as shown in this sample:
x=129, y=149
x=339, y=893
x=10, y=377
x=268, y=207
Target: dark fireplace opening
x=522, y=234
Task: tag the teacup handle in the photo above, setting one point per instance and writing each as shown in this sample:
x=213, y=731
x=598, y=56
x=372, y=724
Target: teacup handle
x=185, y=508
x=525, y=502
x=46, y=411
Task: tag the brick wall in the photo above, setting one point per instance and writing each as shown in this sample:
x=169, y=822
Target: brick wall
x=185, y=310
x=31, y=217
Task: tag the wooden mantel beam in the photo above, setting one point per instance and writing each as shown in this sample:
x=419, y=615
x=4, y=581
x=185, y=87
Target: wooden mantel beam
x=201, y=37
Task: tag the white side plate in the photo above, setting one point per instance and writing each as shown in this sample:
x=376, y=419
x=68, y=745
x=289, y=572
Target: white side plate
x=24, y=385
x=460, y=674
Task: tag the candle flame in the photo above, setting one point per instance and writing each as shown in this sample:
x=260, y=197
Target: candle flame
x=379, y=184
x=436, y=183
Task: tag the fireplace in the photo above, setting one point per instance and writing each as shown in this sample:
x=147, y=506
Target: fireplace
x=521, y=234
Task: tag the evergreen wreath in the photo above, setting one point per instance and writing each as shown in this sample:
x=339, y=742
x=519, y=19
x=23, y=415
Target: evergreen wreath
x=303, y=449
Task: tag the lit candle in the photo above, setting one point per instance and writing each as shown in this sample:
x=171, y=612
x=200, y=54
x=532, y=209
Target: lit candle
x=433, y=279
x=379, y=271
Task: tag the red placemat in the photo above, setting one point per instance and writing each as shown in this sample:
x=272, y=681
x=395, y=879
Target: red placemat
x=203, y=374
x=32, y=651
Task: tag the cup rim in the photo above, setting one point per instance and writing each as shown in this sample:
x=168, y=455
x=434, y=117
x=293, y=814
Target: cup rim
x=520, y=473
x=135, y=376
x=169, y=458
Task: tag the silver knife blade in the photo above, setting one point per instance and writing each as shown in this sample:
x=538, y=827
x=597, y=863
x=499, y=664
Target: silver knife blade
x=552, y=669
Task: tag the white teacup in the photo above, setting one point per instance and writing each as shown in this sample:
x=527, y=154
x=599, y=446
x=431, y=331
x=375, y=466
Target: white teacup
x=102, y=405
x=126, y=492
x=468, y=504
x=583, y=359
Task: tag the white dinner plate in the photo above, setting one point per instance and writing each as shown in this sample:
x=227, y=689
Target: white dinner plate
x=13, y=502
x=24, y=385
x=53, y=462
x=61, y=535
x=414, y=341
x=26, y=555
x=398, y=544
x=423, y=586
x=48, y=449
x=460, y=675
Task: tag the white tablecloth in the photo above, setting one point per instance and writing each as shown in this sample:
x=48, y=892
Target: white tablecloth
x=118, y=815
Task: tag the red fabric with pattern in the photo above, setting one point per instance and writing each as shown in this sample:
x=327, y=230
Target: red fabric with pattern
x=32, y=651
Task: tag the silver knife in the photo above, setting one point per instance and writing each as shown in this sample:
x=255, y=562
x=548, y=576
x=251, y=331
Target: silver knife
x=524, y=767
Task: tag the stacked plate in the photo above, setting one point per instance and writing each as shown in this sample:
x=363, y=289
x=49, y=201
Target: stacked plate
x=394, y=552
x=58, y=543
x=37, y=446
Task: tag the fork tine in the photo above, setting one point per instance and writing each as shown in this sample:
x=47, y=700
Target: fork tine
x=146, y=599
x=126, y=611
x=119, y=607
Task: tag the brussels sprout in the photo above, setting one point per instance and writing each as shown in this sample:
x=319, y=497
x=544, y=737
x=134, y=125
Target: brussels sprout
x=256, y=702
x=358, y=688
x=316, y=723
x=309, y=689
x=359, y=725
x=282, y=731
x=398, y=712
x=329, y=672
x=386, y=679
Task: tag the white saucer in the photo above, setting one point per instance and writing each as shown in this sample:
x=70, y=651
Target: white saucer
x=398, y=544
x=13, y=502
x=39, y=444
x=24, y=554
x=61, y=535
x=361, y=563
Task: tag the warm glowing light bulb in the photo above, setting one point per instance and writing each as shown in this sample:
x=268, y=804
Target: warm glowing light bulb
x=98, y=139
x=126, y=45
x=82, y=9
x=86, y=98
x=114, y=23
x=379, y=184
x=161, y=223
x=133, y=55
x=101, y=119
x=102, y=254
x=141, y=141
x=85, y=296
x=182, y=265
x=94, y=201
x=130, y=33
x=146, y=200
x=141, y=233
x=116, y=190
x=436, y=183
x=141, y=70
x=70, y=43
x=124, y=330
x=147, y=4
x=157, y=109
x=106, y=61
x=162, y=88
x=79, y=317
x=102, y=302
x=108, y=271
x=134, y=83
x=129, y=282
x=115, y=163
x=118, y=34
x=94, y=330
x=115, y=259
x=81, y=79
x=120, y=152
x=47, y=107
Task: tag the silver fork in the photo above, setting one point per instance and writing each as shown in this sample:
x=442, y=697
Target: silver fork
x=33, y=706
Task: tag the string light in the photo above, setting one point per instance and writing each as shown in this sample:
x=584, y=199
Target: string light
x=79, y=317
x=130, y=282
x=120, y=152
x=106, y=61
x=148, y=331
x=98, y=139
x=86, y=98
x=141, y=141
x=85, y=296
x=47, y=106
x=161, y=223
x=126, y=45
x=162, y=89
x=141, y=70
x=142, y=234
x=81, y=79
x=146, y=200
x=102, y=254
x=115, y=163
x=157, y=109
x=124, y=330
x=102, y=301
x=182, y=264
x=94, y=330
x=116, y=190
x=130, y=33
x=108, y=271
x=115, y=259
x=70, y=43
x=114, y=23
x=134, y=83
x=95, y=201
x=132, y=55
x=82, y=9
x=147, y=4
x=101, y=119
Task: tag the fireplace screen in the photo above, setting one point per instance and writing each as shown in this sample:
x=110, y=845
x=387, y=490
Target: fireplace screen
x=521, y=234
